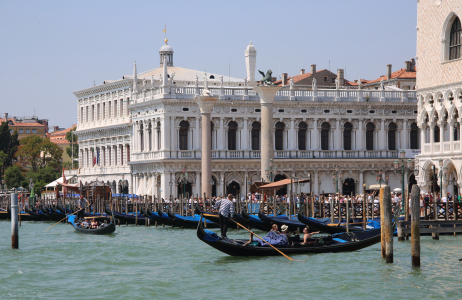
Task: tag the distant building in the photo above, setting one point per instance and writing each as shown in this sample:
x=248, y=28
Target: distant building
x=403, y=79
x=58, y=137
x=324, y=79
x=27, y=126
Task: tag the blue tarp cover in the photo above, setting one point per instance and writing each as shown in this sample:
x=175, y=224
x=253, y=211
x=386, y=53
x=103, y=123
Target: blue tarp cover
x=339, y=240
x=274, y=239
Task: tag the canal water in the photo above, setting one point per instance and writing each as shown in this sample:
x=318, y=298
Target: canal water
x=164, y=263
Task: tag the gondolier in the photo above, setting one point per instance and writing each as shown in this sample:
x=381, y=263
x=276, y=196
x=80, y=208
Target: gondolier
x=82, y=205
x=226, y=212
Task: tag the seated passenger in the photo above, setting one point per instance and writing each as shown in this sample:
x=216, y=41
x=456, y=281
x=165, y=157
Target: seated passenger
x=94, y=224
x=285, y=231
x=275, y=228
x=307, y=236
x=84, y=224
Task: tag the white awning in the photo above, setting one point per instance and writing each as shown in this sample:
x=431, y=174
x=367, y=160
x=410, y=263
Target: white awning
x=60, y=180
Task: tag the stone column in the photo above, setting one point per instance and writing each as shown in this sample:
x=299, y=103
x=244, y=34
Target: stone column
x=432, y=136
x=199, y=187
x=266, y=94
x=130, y=184
x=338, y=138
x=359, y=137
x=404, y=136
x=361, y=183
x=245, y=136
x=316, y=183
x=197, y=135
x=206, y=105
x=165, y=133
x=221, y=134
x=382, y=138
x=315, y=135
x=292, y=138
x=441, y=125
x=451, y=135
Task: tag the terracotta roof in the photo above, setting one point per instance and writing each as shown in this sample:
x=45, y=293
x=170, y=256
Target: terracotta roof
x=18, y=124
x=62, y=132
x=297, y=78
x=400, y=74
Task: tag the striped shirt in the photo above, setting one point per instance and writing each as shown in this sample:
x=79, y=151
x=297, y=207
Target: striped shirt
x=226, y=207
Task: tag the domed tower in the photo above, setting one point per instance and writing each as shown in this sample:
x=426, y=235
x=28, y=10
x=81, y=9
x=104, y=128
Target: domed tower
x=250, y=62
x=166, y=52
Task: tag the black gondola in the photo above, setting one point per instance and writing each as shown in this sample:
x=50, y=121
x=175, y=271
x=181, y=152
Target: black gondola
x=165, y=219
x=215, y=218
x=126, y=219
x=293, y=224
x=255, y=222
x=103, y=229
x=190, y=222
x=323, y=225
x=339, y=243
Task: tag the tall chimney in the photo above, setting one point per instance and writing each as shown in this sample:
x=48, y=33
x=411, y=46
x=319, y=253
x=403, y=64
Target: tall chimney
x=302, y=71
x=413, y=65
x=388, y=71
x=340, y=77
x=313, y=69
x=6, y=117
x=284, y=79
x=407, y=65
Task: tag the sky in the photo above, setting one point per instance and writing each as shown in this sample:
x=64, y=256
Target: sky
x=50, y=49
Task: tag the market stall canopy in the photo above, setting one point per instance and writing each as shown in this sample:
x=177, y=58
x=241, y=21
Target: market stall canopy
x=59, y=180
x=255, y=187
x=279, y=184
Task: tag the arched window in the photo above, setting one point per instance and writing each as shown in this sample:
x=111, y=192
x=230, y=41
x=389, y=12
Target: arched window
x=392, y=136
x=256, y=136
x=232, y=130
x=414, y=136
x=347, y=136
x=436, y=134
x=370, y=136
x=211, y=135
x=455, y=40
x=279, y=136
x=184, y=128
x=302, y=127
x=141, y=137
x=158, y=135
x=325, y=127
x=456, y=132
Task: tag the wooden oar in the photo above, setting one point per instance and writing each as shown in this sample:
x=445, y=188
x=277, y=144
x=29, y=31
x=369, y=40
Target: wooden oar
x=264, y=241
x=63, y=219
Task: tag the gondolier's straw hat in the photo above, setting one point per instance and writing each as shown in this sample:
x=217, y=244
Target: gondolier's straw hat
x=284, y=227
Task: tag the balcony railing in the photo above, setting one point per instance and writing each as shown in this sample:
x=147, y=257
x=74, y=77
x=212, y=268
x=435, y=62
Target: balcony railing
x=255, y=154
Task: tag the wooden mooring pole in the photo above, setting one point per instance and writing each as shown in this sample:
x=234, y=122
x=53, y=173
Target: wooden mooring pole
x=14, y=221
x=415, y=225
x=386, y=224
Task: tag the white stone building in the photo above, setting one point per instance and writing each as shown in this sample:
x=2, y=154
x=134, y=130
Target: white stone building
x=439, y=92
x=145, y=130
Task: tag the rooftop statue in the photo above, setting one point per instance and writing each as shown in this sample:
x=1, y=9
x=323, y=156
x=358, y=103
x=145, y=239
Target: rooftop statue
x=313, y=86
x=206, y=91
x=267, y=79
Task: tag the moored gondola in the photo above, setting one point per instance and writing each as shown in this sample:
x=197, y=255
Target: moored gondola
x=324, y=225
x=293, y=224
x=215, y=218
x=102, y=229
x=338, y=243
x=190, y=222
x=255, y=222
x=126, y=219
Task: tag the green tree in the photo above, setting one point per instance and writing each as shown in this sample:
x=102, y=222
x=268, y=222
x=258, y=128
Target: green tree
x=3, y=159
x=41, y=178
x=14, y=177
x=8, y=144
x=40, y=152
x=72, y=138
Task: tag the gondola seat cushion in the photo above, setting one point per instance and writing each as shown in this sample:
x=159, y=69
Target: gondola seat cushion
x=210, y=236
